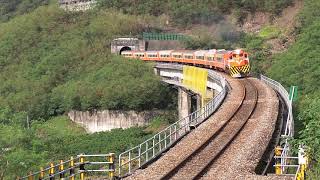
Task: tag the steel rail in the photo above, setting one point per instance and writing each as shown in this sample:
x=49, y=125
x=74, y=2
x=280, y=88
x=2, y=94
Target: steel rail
x=228, y=124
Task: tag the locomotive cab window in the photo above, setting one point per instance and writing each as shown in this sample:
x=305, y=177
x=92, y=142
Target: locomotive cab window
x=245, y=55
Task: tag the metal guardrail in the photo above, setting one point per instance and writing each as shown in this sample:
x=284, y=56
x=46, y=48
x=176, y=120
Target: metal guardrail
x=163, y=36
x=284, y=151
x=77, y=168
x=137, y=156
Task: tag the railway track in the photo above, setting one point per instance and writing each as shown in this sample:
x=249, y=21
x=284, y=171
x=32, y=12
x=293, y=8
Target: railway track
x=194, y=166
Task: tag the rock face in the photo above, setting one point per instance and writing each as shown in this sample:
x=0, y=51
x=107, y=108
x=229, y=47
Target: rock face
x=106, y=120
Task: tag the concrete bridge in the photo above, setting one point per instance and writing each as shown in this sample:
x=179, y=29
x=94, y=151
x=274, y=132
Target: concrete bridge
x=181, y=144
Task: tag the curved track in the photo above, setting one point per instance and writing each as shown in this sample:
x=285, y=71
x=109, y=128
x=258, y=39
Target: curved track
x=194, y=166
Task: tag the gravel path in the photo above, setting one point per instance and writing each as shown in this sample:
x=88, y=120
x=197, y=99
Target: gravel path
x=194, y=139
x=242, y=156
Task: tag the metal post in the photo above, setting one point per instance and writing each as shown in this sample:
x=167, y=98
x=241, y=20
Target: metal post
x=61, y=169
x=302, y=171
x=72, y=170
x=139, y=154
x=175, y=132
x=51, y=171
x=41, y=175
x=129, y=163
x=147, y=156
x=111, y=165
x=153, y=148
x=159, y=142
x=30, y=177
x=82, y=173
x=277, y=152
x=165, y=139
x=170, y=134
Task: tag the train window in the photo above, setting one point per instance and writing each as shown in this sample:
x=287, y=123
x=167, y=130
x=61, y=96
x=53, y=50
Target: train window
x=152, y=55
x=200, y=57
x=188, y=57
x=164, y=55
x=245, y=55
x=219, y=59
x=177, y=56
x=210, y=58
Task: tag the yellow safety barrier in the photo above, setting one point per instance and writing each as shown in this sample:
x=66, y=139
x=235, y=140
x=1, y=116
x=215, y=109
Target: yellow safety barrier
x=82, y=173
x=31, y=177
x=61, y=169
x=51, y=171
x=277, y=152
x=71, y=169
x=41, y=175
x=110, y=159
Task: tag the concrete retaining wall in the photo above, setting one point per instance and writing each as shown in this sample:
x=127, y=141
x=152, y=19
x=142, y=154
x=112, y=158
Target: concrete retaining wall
x=106, y=120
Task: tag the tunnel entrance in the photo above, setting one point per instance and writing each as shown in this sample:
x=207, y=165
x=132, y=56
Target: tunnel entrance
x=126, y=48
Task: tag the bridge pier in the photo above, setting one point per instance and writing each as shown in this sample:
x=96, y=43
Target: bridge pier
x=184, y=103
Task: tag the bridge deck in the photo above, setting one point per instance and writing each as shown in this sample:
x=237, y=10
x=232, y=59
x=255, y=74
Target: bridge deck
x=244, y=152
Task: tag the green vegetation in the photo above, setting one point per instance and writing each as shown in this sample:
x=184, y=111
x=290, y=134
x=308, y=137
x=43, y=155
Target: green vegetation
x=58, y=139
x=269, y=32
x=11, y=8
x=52, y=61
x=186, y=12
x=300, y=66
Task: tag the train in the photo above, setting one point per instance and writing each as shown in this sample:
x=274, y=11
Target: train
x=234, y=62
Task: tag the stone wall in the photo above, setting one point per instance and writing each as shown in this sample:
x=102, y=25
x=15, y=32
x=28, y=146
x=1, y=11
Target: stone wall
x=106, y=120
x=77, y=5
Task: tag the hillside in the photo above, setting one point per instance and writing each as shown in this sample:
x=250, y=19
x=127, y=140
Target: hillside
x=300, y=65
x=52, y=61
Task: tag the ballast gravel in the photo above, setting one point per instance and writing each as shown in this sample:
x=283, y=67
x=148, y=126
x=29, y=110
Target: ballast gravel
x=195, y=138
x=242, y=156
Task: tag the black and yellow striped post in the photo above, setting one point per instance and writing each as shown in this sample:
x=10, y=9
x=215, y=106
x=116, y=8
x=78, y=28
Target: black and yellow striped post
x=303, y=171
x=51, y=171
x=277, y=152
x=41, y=174
x=72, y=169
x=111, y=159
x=31, y=176
x=61, y=169
x=82, y=170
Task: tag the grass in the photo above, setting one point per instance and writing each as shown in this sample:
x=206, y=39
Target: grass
x=269, y=32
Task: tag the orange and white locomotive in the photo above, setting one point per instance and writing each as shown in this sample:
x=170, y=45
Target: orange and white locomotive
x=235, y=62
